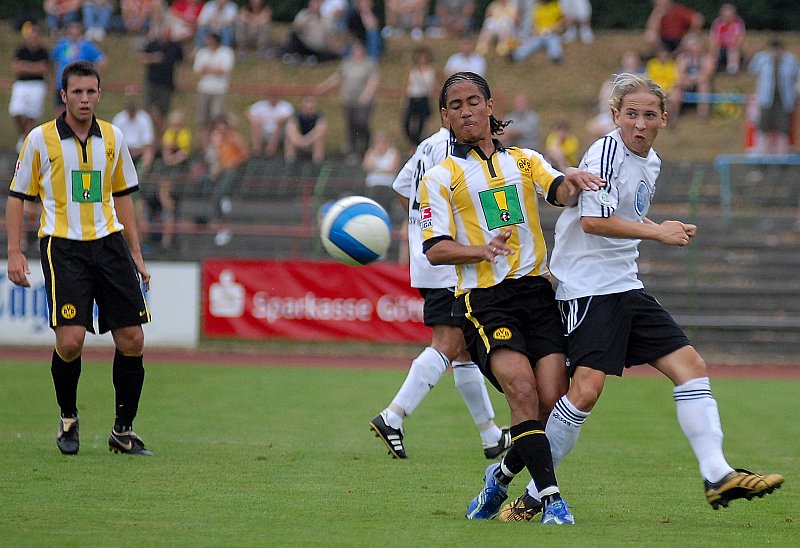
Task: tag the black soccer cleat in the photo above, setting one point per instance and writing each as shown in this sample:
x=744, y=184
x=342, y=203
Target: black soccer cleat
x=68, y=439
x=391, y=437
x=740, y=484
x=128, y=443
x=503, y=444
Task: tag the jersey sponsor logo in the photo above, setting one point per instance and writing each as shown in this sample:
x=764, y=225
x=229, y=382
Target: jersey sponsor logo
x=68, y=311
x=501, y=207
x=502, y=334
x=642, y=202
x=86, y=186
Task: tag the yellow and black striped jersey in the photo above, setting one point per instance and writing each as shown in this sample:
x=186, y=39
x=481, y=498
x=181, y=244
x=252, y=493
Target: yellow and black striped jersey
x=75, y=181
x=471, y=198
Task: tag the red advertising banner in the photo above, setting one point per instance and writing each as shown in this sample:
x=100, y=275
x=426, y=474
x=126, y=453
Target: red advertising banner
x=306, y=300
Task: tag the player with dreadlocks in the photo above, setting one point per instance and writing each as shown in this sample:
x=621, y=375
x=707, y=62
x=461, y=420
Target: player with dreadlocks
x=478, y=211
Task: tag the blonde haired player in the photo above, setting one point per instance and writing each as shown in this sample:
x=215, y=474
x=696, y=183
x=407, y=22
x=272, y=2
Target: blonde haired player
x=610, y=322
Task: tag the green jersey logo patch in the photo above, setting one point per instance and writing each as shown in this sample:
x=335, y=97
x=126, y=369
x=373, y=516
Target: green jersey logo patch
x=86, y=186
x=501, y=207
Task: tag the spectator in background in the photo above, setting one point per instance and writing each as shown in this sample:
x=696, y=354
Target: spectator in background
x=668, y=23
x=176, y=149
x=357, y=78
x=31, y=65
x=307, y=130
x=218, y=17
x=453, y=18
x=405, y=14
x=524, y=129
x=182, y=18
x=696, y=67
x=73, y=47
x=776, y=71
x=364, y=26
x=423, y=78
x=466, y=59
x=161, y=57
x=225, y=153
x=499, y=26
x=60, y=13
x=663, y=70
x=727, y=34
x=252, y=28
x=137, y=126
x=381, y=164
x=562, y=147
x=268, y=119
x=141, y=16
x=577, y=20
x=310, y=38
x=213, y=64
x=547, y=26
x=97, y=18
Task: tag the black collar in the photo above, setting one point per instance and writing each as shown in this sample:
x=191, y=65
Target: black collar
x=64, y=131
x=461, y=150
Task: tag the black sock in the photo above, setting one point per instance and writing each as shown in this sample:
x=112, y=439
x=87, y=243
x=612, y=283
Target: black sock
x=513, y=463
x=65, y=380
x=128, y=377
x=534, y=448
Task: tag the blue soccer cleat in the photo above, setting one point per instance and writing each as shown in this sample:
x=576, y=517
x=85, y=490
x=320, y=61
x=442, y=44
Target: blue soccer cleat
x=557, y=513
x=488, y=502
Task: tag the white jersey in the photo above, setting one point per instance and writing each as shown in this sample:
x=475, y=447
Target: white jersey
x=430, y=152
x=585, y=264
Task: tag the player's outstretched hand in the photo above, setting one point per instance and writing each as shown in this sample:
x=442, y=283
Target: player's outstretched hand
x=499, y=246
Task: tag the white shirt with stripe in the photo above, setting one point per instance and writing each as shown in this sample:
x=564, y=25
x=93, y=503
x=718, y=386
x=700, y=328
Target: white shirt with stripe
x=471, y=199
x=75, y=182
x=586, y=264
x=429, y=152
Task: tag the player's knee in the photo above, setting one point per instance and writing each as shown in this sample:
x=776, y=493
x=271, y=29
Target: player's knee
x=584, y=395
x=69, y=349
x=129, y=341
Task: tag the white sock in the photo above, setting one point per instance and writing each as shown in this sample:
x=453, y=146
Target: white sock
x=469, y=381
x=563, y=428
x=698, y=416
x=425, y=372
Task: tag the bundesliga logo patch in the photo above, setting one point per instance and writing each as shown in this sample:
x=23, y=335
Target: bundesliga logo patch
x=426, y=217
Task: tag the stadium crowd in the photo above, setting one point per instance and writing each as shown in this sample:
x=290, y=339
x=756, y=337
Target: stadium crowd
x=209, y=38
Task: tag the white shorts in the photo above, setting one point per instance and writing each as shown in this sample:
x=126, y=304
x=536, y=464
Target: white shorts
x=27, y=98
x=577, y=10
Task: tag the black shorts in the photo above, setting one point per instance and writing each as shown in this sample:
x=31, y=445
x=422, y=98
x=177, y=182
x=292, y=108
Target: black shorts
x=611, y=332
x=519, y=314
x=438, y=308
x=78, y=274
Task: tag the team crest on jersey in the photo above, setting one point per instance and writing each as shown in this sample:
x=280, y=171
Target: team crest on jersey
x=110, y=154
x=502, y=334
x=524, y=165
x=68, y=311
x=425, y=217
x=642, y=202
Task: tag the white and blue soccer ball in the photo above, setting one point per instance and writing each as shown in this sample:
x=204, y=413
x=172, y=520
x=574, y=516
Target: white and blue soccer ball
x=356, y=230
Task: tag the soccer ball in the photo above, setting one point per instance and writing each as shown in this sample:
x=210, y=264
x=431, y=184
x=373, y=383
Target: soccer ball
x=356, y=230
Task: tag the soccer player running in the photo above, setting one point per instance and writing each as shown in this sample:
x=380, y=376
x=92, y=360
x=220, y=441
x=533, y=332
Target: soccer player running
x=436, y=285
x=478, y=211
x=610, y=322
x=81, y=169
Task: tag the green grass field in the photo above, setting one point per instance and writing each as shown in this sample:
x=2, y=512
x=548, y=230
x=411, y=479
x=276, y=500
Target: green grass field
x=283, y=456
